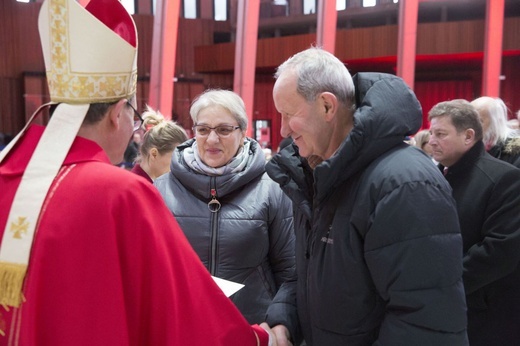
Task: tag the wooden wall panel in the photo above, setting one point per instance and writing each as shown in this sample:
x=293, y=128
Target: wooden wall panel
x=142, y=93
x=363, y=43
x=19, y=38
x=181, y=105
x=222, y=81
x=272, y=51
x=263, y=108
x=144, y=25
x=450, y=37
x=511, y=40
x=35, y=94
x=510, y=86
x=192, y=33
x=214, y=58
x=11, y=106
x=7, y=42
x=19, y=50
x=28, y=37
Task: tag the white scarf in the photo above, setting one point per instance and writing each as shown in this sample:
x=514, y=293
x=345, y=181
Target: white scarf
x=236, y=164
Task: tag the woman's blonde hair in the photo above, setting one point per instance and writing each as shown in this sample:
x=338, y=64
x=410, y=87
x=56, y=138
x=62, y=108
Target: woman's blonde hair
x=162, y=134
x=421, y=138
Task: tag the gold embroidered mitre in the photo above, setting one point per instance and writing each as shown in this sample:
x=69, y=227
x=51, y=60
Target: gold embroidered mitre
x=90, y=53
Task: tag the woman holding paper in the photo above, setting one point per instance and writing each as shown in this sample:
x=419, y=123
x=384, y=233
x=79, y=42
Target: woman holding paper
x=236, y=218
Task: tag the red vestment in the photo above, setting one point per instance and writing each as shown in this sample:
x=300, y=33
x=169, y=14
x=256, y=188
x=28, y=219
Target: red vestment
x=109, y=265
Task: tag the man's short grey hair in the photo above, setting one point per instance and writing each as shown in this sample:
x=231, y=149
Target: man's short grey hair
x=462, y=114
x=320, y=71
x=227, y=99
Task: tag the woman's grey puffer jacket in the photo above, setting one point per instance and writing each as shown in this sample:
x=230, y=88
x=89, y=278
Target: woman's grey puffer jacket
x=250, y=240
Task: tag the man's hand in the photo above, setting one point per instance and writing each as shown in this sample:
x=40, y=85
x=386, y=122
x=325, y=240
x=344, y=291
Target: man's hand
x=272, y=337
x=282, y=335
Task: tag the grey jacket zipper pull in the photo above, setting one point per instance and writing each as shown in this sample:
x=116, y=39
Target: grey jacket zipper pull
x=214, y=204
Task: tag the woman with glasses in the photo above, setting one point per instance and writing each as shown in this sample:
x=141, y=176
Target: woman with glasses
x=236, y=218
x=159, y=141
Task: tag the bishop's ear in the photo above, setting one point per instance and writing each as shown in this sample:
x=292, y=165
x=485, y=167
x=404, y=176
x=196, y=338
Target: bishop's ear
x=115, y=112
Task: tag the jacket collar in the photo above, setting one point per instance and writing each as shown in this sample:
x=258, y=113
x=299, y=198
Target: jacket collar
x=467, y=160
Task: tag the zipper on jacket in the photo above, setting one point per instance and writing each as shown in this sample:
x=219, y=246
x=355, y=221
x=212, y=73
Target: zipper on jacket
x=214, y=207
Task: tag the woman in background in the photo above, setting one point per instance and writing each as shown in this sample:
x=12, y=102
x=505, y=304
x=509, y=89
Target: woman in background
x=500, y=140
x=236, y=218
x=421, y=141
x=159, y=141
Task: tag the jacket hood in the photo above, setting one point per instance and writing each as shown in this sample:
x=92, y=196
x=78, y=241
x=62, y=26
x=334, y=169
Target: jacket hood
x=200, y=184
x=294, y=176
x=386, y=112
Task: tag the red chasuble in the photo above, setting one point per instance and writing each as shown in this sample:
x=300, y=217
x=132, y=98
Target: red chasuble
x=109, y=264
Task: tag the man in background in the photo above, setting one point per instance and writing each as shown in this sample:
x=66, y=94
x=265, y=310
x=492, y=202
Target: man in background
x=487, y=192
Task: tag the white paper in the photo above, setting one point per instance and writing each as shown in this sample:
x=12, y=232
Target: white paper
x=228, y=287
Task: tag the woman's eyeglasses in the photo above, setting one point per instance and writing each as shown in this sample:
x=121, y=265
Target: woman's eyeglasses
x=138, y=120
x=221, y=131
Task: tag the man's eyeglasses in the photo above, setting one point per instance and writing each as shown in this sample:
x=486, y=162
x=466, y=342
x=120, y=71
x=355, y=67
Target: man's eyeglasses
x=221, y=131
x=138, y=120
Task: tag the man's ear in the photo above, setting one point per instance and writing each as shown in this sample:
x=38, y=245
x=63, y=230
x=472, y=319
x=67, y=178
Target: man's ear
x=469, y=136
x=115, y=113
x=329, y=102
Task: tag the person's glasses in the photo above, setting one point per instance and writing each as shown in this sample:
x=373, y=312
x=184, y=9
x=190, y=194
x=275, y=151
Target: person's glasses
x=138, y=120
x=221, y=131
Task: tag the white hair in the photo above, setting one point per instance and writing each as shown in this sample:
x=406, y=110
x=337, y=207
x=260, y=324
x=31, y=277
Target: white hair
x=498, y=131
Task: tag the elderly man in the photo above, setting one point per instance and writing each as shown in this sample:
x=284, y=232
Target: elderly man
x=378, y=246
x=487, y=192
